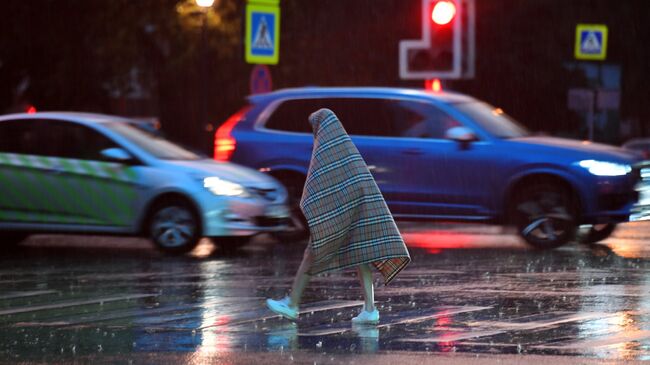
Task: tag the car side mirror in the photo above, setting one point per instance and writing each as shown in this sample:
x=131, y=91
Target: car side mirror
x=117, y=155
x=462, y=135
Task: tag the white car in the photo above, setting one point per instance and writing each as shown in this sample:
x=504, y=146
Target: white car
x=91, y=173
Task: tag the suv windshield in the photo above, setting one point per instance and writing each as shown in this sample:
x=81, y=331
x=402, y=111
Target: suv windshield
x=492, y=119
x=155, y=145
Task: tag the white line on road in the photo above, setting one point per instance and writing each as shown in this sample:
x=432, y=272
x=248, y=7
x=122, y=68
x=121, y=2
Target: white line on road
x=24, y=294
x=72, y=304
x=440, y=312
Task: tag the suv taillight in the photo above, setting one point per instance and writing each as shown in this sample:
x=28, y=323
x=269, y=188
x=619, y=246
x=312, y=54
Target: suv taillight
x=224, y=143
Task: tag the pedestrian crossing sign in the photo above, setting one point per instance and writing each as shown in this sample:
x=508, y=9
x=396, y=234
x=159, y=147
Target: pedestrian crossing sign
x=591, y=42
x=262, y=33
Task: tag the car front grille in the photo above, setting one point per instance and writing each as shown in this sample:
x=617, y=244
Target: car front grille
x=269, y=194
x=644, y=174
x=270, y=222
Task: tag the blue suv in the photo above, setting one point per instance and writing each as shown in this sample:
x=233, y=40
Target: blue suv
x=443, y=156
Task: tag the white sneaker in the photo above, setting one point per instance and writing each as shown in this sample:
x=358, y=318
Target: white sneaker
x=282, y=308
x=366, y=317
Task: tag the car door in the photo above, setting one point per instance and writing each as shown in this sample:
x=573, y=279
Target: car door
x=442, y=178
x=91, y=189
x=26, y=176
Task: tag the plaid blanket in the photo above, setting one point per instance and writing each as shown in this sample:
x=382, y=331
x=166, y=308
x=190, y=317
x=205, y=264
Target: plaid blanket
x=348, y=219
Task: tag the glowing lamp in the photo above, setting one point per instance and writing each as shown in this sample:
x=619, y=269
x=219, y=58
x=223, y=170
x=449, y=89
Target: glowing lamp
x=443, y=12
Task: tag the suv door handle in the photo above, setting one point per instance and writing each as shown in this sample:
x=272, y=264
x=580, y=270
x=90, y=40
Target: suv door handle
x=413, y=151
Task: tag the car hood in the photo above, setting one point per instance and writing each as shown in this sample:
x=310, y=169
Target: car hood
x=225, y=170
x=579, y=149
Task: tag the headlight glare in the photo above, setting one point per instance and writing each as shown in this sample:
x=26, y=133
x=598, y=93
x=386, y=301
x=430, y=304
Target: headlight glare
x=604, y=168
x=222, y=187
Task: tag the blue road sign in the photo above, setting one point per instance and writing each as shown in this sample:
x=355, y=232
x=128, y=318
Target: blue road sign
x=262, y=33
x=591, y=42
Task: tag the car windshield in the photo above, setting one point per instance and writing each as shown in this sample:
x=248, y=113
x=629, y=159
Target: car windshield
x=492, y=119
x=154, y=144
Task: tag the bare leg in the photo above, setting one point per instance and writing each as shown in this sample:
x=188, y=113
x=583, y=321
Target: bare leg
x=365, y=280
x=301, y=279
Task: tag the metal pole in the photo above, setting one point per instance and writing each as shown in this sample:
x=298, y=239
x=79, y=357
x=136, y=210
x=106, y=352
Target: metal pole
x=203, y=76
x=590, y=117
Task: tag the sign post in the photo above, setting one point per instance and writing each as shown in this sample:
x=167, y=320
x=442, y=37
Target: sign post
x=590, y=45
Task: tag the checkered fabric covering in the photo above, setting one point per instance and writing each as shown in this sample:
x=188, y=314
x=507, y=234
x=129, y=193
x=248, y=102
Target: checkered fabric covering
x=349, y=221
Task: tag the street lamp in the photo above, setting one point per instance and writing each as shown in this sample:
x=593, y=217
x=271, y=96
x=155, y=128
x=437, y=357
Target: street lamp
x=205, y=5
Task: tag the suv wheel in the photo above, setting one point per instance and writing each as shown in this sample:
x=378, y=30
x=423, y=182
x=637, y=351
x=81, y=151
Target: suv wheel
x=595, y=232
x=174, y=226
x=298, y=229
x=544, y=214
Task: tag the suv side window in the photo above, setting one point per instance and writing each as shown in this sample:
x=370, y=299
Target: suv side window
x=359, y=116
x=291, y=115
x=415, y=119
x=70, y=140
x=20, y=136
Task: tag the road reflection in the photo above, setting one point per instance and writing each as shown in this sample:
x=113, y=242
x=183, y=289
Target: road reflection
x=466, y=290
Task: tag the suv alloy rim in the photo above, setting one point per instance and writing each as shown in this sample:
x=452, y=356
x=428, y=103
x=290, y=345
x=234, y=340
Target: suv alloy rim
x=544, y=217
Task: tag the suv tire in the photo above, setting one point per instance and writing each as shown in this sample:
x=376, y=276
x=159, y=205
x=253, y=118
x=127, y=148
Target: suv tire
x=544, y=214
x=596, y=233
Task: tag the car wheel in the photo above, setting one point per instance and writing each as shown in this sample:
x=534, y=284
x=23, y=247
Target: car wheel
x=174, y=226
x=11, y=239
x=595, y=232
x=545, y=215
x=298, y=229
x=231, y=244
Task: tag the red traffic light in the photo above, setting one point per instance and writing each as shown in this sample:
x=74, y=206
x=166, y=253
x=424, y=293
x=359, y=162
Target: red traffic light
x=443, y=12
x=433, y=85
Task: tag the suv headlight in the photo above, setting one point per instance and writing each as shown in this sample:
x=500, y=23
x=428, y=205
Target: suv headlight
x=604, y=168
x=222, y=187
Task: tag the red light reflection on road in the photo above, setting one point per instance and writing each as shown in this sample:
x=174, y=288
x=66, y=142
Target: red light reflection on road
x=435, y=241
x=443, y=324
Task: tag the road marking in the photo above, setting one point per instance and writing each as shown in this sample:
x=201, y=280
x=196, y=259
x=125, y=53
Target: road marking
x=546, y=323
x=627, y=336
x=24, y=294
x=392, y=319
x=452, y=336
x=263, y=314
x=503, y=327
x=588, y=292
x=108, y=317
x=606, y=291
x=72, y=304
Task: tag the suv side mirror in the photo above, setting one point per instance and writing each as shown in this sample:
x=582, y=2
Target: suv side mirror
x=116, y=154
x=463, y=135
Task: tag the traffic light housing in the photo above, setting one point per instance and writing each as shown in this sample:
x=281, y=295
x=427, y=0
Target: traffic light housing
x=446, y=49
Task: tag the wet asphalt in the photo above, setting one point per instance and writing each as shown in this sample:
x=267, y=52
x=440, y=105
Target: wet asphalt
x=470, y=291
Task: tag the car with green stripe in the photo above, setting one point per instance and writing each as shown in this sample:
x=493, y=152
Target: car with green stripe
x=65, y=172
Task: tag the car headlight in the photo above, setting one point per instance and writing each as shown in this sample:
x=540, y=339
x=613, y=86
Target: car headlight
x=604, y=168
x=222, y=187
